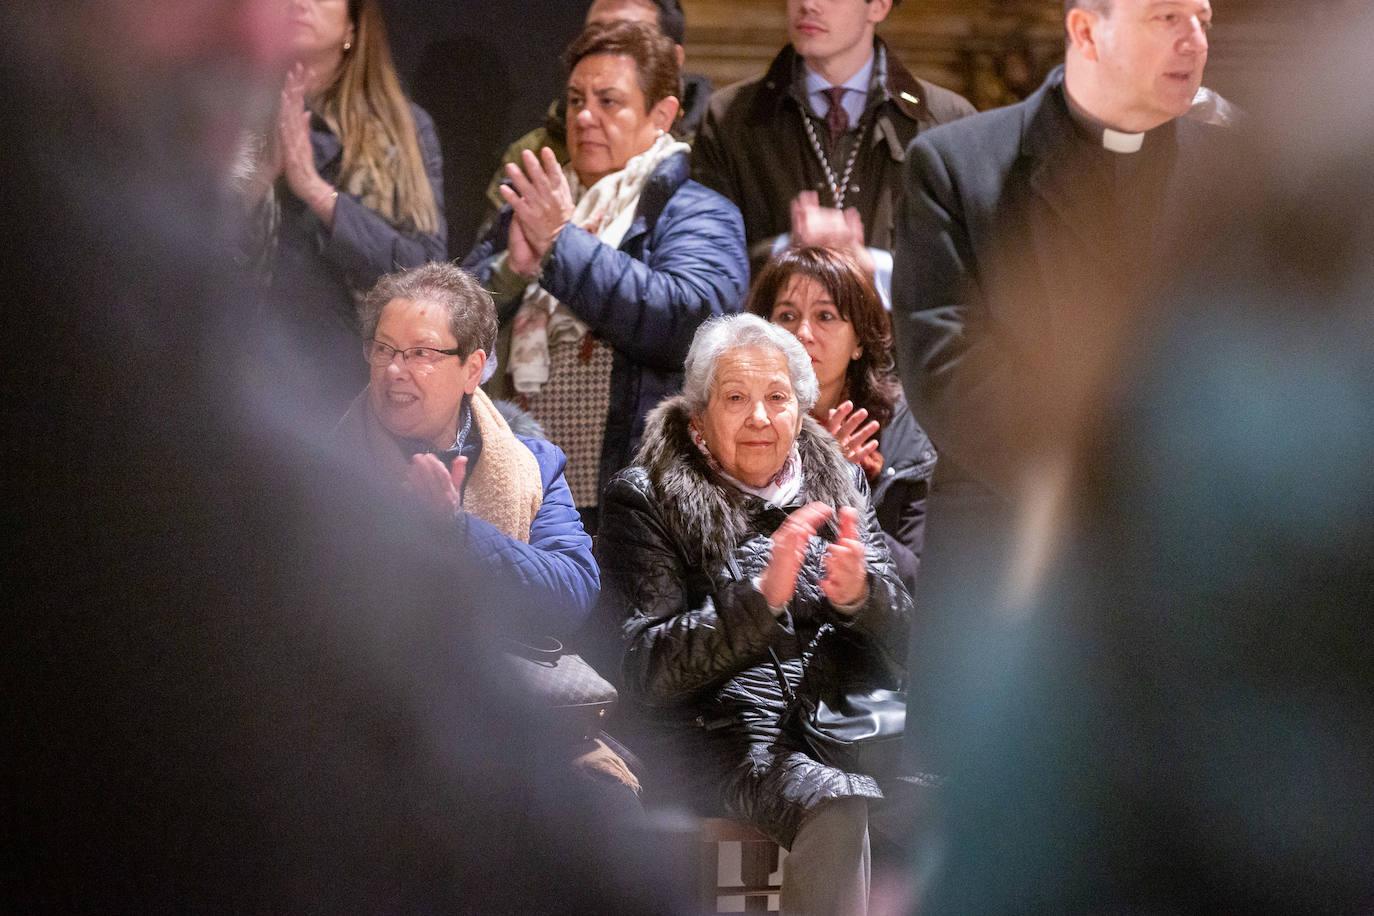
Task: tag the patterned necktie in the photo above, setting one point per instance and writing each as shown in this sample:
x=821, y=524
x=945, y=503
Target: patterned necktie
x=837, y=119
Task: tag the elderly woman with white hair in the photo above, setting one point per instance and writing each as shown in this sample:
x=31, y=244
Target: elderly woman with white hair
x=739, y=540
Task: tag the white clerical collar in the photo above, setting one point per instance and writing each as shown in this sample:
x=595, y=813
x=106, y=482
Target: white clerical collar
x=1113, y=141
x=1118, y=142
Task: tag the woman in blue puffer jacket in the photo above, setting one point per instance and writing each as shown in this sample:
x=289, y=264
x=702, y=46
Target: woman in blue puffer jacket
x=603, y=270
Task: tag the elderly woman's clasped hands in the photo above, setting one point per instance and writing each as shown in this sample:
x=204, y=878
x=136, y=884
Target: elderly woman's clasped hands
x=845, y=581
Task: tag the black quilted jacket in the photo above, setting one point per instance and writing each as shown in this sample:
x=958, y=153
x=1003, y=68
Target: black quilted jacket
x=679, y=550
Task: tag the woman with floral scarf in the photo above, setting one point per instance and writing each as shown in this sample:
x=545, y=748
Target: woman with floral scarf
x=602, y=270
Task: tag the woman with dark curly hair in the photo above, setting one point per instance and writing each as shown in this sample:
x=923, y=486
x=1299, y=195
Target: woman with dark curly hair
x=831, y=305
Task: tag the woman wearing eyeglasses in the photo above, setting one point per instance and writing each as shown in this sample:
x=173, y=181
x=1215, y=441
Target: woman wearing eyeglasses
x=346, y=186
x=498, y=497
x=423, y=423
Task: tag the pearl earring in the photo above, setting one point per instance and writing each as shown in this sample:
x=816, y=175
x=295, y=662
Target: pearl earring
x=348, y=46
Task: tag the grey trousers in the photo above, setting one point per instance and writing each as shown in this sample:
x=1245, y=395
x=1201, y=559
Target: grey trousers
x=827, y=871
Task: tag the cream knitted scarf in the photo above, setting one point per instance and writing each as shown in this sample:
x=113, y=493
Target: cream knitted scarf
x=504, y=488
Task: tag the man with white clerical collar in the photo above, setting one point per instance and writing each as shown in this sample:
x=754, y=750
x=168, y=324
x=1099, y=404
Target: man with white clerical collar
x=1014, y=218
x=825, y=128
x=1020, y=229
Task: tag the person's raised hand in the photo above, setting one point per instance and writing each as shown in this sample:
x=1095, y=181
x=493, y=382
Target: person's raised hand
x=846, y=565
x=779, y=578
x=826, y=227
x=437, y=489
x=540, y=200
x=520, y=256
x=297, y=156
x=856, y=437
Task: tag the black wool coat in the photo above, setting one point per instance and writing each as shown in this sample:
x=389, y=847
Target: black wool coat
x=1015, y=231
x=679, y=551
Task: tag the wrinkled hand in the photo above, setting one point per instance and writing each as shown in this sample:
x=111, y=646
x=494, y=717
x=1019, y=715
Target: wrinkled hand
x=846, y=565
x=779, y=578
x=520, y=256
x=856, y=437
x=542, y=204
x=826, y=227
x=438, y=490
x=293, y=139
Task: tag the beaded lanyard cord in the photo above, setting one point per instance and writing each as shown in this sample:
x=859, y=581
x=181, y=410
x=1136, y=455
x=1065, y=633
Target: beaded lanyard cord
x=838, y=189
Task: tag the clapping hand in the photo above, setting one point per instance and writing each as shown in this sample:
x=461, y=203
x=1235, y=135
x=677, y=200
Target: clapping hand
x=297, y=155
x=846, y=564
x=541, y=203
x=779, y=578
x=826, y=227
x=438, y=490
x=856, y=438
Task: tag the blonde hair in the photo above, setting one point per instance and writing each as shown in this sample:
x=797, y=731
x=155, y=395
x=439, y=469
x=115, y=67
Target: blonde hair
x=369, y=113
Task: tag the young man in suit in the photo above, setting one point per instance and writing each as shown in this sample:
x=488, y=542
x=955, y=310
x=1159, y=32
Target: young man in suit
x=828, y=122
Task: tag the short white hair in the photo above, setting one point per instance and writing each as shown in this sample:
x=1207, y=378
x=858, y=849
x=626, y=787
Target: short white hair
x=719, y=336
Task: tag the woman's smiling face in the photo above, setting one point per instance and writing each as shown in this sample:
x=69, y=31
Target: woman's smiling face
x=412, y=399
x=752, y=418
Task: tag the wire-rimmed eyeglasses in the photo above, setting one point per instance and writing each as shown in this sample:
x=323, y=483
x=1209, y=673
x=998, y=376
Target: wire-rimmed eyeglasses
x=381, y=355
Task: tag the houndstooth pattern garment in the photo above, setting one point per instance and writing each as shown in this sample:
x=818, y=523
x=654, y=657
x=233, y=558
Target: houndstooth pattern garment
x=572, y=407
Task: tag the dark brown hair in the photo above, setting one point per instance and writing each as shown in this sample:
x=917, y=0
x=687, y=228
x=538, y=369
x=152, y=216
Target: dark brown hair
x=870, y=382
x=471, y=312
x=654, y=54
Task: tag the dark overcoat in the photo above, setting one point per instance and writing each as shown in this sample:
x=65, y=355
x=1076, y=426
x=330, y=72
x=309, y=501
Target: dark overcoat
x=1013, y=230
x=753, y=148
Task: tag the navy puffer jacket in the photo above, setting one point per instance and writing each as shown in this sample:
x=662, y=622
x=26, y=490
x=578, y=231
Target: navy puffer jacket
x=681, y=262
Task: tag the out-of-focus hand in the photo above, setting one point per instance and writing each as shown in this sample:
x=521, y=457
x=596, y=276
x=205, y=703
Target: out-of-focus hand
x=779, y=578
x=540, y=199
x=438, y=490
x=856, y=437
x=293, y=139
x=826, y=227
x=266, y=166
x=846, y=566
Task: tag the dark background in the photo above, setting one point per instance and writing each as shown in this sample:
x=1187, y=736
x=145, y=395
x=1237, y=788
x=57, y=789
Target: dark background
x=486, y=76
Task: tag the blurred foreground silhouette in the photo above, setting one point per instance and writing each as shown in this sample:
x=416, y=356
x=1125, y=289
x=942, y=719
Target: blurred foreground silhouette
x=1172, y=707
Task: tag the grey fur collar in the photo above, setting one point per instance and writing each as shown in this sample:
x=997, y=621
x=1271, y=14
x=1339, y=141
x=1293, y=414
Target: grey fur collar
x=703, y=509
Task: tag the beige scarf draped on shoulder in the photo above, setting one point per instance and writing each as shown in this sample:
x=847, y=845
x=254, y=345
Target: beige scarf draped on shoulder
x=503, y=489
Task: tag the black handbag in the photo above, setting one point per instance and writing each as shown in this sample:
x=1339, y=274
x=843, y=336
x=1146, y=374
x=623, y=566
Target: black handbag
x=853, y=721
x=548, y=676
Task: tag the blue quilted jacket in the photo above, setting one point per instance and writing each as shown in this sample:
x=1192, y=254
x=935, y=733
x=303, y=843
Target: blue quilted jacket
x=553, y=578
x=681, y=262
